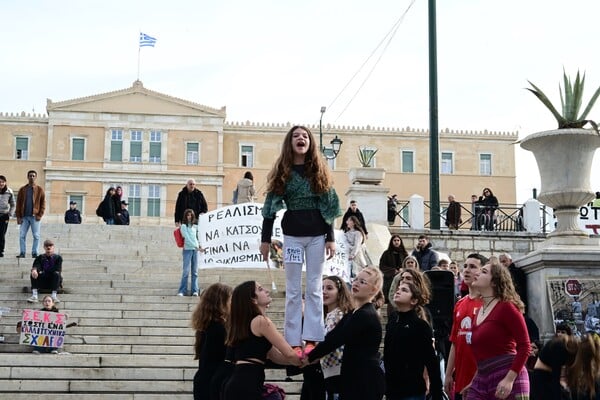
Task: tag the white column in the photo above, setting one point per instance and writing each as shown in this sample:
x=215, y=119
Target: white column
x=531, y=216
x=416, y=212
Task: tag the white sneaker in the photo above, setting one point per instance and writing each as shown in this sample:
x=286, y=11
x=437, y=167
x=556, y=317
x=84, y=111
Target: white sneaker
x=54, y=352
x=35, y=352
x=33, y=299
x=195, y=294
x=180, y=294
x=56, y=299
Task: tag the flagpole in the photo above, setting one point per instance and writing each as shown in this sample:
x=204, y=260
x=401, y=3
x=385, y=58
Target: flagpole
x=138, y=70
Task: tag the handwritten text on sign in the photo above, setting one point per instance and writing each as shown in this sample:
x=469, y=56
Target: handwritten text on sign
x=231, y=237
x=43, y=328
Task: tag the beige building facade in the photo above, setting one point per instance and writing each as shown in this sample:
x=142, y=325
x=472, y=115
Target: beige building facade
x=150, y=143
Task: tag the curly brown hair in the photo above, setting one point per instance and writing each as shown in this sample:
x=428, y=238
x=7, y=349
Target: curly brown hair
x=418, y=278
x=213, y=306
x=418, y=294
x=344, y=298
x=316, y=169
x=503, y=286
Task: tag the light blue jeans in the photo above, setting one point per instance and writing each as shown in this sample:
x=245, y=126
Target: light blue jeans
x=26, y=223
x=314, y=256
x=190, y=262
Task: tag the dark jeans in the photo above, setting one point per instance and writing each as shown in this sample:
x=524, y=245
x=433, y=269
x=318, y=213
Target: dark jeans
x=49, y=280
x=3, y=229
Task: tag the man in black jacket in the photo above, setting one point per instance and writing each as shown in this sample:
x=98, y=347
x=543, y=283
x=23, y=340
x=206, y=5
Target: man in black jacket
x=72, y=215
x=518, y=276
x=46, y=272
x=192, y=198
x=353, y=211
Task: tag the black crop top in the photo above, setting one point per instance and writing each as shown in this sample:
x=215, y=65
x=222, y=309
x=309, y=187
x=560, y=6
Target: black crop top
x=253, y=347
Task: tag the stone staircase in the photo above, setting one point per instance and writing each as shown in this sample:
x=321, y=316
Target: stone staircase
x=133, y=339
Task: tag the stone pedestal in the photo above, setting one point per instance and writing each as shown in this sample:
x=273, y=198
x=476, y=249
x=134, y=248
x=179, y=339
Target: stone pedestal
x=578, y=260
x=372, y=202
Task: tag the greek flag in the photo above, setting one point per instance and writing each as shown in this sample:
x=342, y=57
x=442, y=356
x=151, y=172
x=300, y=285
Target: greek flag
x=146, y=40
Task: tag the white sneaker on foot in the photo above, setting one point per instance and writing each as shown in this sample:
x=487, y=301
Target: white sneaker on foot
x=35, y=352
x=33, y=299
x=54, y=352
x=195, y=294
x=180, y=294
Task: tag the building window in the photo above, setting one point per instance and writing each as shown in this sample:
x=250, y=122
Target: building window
x=135, y=147
x=192, y=154
x=77, y=198
x=116, y=145
x=408, y=165
x=447, y=163
x=329, y=156
x=22, y=148
x=77, y=149
x=247, y=156
x=485, y=164
x=155, y=146
x=134, y=199
x=154, y=200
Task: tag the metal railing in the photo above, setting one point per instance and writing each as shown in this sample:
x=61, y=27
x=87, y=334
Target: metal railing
x=504, y=218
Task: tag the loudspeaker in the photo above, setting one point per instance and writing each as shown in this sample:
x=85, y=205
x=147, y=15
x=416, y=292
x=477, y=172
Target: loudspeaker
x=441, y=307
x=442, y=301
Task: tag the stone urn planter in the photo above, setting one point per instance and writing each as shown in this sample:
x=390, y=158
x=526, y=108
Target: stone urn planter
x=564, y=158
x=366, y=175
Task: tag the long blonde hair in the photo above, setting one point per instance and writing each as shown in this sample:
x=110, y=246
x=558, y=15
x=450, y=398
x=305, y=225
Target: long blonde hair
x=316, y=169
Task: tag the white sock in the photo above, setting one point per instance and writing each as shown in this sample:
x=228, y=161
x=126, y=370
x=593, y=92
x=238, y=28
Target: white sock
x=53, y=294
x=34, y=293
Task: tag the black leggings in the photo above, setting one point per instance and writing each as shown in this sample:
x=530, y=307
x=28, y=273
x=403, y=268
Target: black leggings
x=246, y=382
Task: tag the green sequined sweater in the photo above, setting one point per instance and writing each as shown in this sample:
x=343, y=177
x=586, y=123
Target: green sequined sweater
x=307, y=214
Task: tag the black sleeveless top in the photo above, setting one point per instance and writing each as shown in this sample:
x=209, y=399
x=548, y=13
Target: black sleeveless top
x=253, y=347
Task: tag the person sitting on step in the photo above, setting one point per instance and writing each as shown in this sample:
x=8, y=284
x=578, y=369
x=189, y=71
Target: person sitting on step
x=46, y=272
x=49, y=305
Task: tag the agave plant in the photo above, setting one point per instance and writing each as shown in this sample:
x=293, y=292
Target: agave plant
x=366, y=155
x=571, y=103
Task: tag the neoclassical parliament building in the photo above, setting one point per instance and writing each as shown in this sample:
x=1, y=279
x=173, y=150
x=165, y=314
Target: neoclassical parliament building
x=150, y=143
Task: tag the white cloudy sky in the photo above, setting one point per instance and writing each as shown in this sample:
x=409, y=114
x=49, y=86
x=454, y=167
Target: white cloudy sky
x=280, y=61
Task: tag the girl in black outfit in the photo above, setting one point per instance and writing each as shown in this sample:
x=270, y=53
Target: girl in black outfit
x=360, y=332
x=545, y=377
x=391, y=261
x=208, y=320
x=408, y=348
x=107, y=207
x=254, y=339
x=489, y=203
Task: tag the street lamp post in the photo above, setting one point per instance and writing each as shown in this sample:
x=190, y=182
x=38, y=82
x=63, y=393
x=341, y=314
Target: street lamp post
x=323, y=109
x=336, y=143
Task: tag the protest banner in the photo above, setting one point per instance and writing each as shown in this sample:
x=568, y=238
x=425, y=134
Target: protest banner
x=43, y=328
x=231, y=238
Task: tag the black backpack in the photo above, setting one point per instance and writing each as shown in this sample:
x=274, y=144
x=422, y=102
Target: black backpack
x=99, y=209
